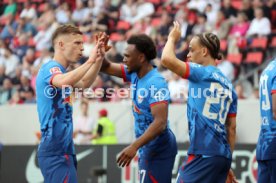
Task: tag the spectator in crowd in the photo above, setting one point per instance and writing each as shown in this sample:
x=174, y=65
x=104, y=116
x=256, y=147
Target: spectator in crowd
x=28, y=12
x=93, y=9
x=47, y=17
x=2, y=74
x=260, y=25
x=29, y=96
x=16, y=79
x=44, y=57
x=201, y=25
x=81, y=14
x=83, y=124
x=236, y=37
x=9, y=30
x=43, y=37
x=10, y=61
x=16, y=99
x=222, y=25
x=105, y=133
x=6, y=91
x=211, y=14
x=127, y=10
x=178, y=89
x=186, y=26
x=11, y=8
x=261, y=4
x=246, y=7
x=143, y=9
x=198, y=5
x=20, y=48
x=30, y=24
x=24, y=26
x=226, y=68
x=63, y=13
x=240, y=91
x=228, y=10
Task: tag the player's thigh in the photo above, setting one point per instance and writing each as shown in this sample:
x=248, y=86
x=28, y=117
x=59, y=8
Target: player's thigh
x=263, y=172
x=156, y=170
x=58, y=169
x=204, y=170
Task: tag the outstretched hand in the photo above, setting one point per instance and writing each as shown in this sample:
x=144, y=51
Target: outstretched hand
x=231, y=178
x=175, y=33
x=126, y=155
x=101, y=47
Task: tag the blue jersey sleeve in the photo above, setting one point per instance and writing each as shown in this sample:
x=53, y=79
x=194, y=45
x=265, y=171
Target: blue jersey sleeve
x=158, y=91
x=51, y=70
x=126, y=75
x=194, y=72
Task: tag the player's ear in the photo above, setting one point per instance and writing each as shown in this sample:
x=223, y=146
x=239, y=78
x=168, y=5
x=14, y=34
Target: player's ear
x=204, y=51
x=142, y=57
x=60, y=44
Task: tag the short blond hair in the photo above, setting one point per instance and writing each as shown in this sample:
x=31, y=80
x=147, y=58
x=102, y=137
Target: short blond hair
x=65, y=29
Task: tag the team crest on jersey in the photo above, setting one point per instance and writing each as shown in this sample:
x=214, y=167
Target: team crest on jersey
x=136, y=109
x=159, y=96
x=55, y=70
x=140, y=99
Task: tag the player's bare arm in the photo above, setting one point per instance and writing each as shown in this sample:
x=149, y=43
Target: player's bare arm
x=72, y=77
x=92, y=73
x=111, y=68
x=274, y=106
x=160, y=114
x=168, y=59
x=230, y=125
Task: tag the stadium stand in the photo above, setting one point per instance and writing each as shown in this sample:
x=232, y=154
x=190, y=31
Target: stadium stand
x=26, y=27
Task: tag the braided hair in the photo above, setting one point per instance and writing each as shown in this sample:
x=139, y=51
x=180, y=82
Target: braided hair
x=212, y=43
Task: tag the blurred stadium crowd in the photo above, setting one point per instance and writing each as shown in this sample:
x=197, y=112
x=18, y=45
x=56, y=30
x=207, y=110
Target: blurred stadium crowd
x=246, y=29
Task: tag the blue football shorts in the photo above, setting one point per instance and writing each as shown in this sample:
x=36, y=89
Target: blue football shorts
x=267, y=171
x=200, y=169
x=159, y=170
x=58, y=168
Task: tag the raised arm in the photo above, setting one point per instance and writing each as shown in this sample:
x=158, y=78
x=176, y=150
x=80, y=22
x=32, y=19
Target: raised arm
x=90, y=76
x=112, y=68
x=168, y=59
x=72, y=77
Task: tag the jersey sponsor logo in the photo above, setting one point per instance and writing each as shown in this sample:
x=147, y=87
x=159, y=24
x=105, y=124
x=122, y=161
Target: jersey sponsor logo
x=33, y=173
x=55, y=70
